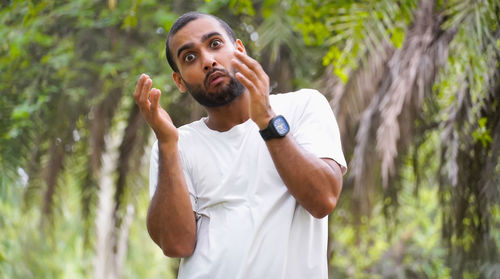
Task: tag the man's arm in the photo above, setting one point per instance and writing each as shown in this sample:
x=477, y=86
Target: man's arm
x=315, y=183
x=170, y=221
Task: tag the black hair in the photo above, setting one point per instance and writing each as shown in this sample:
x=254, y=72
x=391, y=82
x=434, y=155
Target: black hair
x=181, y=22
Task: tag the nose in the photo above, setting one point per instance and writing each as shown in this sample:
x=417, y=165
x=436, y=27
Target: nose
x=209, y=63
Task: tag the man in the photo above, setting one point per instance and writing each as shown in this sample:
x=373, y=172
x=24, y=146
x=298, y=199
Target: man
x=260, y=172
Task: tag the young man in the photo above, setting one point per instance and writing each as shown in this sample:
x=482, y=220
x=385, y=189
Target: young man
x=261, y=173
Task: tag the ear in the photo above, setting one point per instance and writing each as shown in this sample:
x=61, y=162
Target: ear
x=239, y=46
x=179, y=81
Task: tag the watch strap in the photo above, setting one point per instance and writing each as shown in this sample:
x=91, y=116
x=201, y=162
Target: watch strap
x=267, y=133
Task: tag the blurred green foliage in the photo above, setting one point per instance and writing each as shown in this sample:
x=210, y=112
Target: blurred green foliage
x=408, y=244
x=67, y=73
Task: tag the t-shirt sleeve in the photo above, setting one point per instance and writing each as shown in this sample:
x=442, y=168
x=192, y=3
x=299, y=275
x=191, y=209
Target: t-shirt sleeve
x=317, y=130
x=153, y=176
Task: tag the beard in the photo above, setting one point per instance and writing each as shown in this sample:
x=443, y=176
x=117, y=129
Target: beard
x=222, y=96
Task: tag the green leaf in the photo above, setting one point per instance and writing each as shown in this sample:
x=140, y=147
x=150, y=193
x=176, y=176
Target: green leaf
x=21, y=112
x=397, y=37
x=341, y=74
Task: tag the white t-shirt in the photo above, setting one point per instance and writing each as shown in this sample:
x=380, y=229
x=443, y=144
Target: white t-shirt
x=249, y=225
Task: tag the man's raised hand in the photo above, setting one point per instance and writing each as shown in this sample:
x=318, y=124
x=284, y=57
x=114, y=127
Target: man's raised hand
x=158, y=119
x=255, y=79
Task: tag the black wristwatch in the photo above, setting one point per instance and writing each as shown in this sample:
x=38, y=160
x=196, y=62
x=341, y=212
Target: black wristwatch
x=277, y=128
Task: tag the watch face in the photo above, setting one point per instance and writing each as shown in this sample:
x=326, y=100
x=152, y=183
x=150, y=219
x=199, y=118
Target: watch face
x=281, y=125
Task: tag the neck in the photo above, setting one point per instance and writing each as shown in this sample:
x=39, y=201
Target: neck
x=226, y=117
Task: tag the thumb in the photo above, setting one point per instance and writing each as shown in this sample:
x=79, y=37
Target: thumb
x=155, y=99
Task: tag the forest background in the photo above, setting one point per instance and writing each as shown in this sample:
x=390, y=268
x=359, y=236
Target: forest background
x=415, y=86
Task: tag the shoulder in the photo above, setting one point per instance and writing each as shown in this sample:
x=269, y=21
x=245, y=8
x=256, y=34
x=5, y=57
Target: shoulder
x=191, y=129
x=187, y=135
x=299, y=95
x=304, y=93
x=300, y=100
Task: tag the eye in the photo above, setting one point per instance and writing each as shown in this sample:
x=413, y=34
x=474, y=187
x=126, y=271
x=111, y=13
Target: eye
x=189, y=57
x=215, y=43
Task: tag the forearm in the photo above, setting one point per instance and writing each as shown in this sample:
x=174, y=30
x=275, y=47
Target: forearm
x=170, y=221
x=315, y=183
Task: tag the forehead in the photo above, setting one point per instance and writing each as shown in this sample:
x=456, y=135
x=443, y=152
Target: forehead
x=194, y=31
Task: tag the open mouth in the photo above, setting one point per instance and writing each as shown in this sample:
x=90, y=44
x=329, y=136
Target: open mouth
x=215, y=78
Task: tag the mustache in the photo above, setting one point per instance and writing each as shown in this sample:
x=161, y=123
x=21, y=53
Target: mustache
x=213, y=70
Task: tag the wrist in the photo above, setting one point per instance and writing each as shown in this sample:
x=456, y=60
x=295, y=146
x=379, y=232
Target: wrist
x=263, y=122
x=167, y=146
x=167, y=139
x=278, y=127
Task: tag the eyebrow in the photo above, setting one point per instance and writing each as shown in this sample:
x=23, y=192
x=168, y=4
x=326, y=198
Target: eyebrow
x=203, y=38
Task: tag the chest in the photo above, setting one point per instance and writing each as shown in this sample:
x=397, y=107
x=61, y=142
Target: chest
x=233, y=170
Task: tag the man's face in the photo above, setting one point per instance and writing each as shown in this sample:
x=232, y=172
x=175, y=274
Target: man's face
x=202, y=51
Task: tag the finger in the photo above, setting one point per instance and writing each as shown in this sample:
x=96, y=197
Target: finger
x=144, y=95
x=155, y=99
x=248, y=61
x=246, y=82
x=156, y=107
x=138, y=86
x=244, y=70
